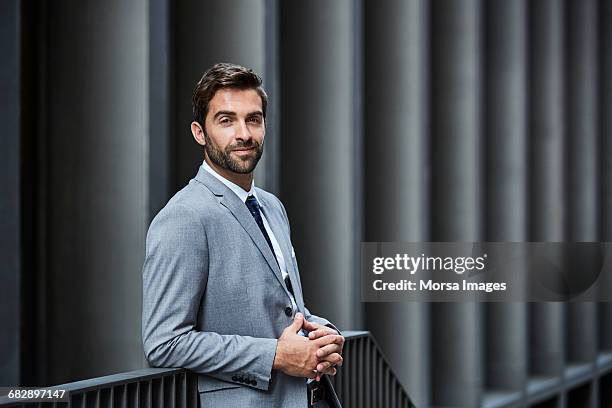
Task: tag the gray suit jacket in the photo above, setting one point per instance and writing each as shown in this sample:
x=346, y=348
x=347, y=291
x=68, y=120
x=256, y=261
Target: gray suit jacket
x=214, y=299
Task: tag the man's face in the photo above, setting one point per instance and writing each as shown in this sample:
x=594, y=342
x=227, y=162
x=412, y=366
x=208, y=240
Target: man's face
x=234, y=130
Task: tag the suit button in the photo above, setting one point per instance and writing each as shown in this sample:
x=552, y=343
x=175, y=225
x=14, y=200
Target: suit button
x=288, y=311
x=234, y=378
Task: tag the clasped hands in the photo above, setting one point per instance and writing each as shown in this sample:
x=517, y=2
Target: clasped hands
x=310, y=356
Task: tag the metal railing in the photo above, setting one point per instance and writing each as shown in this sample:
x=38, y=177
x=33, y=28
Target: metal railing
x=149, y=387
x=364, y=380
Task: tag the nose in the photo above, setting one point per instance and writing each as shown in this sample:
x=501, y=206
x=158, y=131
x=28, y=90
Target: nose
x=243, y=132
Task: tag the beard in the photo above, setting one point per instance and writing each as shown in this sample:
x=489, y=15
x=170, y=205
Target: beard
x=223, y=158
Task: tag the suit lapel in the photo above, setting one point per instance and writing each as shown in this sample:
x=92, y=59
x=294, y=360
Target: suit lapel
x=276, y=224
x=240, y=211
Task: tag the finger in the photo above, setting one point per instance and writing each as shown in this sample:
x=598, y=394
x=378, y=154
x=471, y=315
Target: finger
x=296, y=325
x=327, y=350
x=330, y=338
x=337, y=359
x=334, y=359
x=320, y=333
x=331, y=371
x=322, y=367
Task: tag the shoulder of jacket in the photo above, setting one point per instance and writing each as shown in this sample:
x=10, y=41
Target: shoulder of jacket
x=269, y=197
x=194, y=199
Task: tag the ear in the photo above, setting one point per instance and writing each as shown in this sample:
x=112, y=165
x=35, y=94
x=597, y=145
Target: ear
x=198, y=133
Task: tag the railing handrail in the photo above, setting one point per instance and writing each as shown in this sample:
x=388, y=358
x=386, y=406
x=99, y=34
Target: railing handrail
x=79, y=389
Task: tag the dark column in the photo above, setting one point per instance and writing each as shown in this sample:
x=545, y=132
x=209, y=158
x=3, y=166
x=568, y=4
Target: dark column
x=271, y=76
x=456, y=333
x=396, y=160
x=605, y=132
x=583, y=165
x=506, y=174
x=160, y=105
x=319, y=158
x=96, y=178
x=547, y=205
x=10, y=248
x=204, y=33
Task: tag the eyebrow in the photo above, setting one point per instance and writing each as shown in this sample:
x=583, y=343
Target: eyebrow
x=220, y=113
x=230, y=113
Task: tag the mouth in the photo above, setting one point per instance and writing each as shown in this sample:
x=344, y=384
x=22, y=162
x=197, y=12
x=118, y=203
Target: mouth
x=244, y=152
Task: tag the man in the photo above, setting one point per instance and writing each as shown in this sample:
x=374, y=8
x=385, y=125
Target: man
x=221, y=287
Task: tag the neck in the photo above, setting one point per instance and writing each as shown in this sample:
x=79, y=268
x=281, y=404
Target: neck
x=243, y=180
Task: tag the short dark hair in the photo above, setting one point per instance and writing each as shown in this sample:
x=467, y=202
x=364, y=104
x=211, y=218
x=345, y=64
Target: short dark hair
x=224, y=75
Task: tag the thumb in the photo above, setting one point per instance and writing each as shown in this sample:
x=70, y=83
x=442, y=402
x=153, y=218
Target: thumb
x=309, y=326
x=298, y=320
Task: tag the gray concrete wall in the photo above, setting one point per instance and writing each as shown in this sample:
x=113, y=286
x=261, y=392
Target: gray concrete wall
x=390, y=121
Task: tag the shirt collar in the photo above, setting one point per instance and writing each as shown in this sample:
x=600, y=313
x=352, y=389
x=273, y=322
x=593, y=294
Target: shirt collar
x=239, y=191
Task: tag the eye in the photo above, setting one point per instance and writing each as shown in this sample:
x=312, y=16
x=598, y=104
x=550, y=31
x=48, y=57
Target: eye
x=225, y=120
x=255, y=120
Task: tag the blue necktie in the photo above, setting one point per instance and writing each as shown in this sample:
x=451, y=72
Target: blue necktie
x=253, y=206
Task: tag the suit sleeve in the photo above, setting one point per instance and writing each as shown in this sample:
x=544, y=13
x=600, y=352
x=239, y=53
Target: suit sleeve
x=174, y=275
